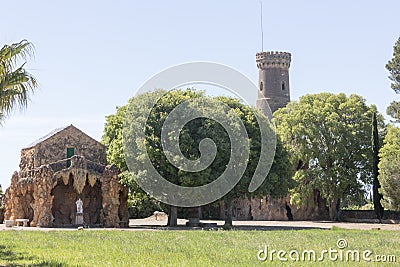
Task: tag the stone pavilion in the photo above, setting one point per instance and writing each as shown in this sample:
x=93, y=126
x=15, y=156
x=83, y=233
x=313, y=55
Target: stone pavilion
x=56, y=171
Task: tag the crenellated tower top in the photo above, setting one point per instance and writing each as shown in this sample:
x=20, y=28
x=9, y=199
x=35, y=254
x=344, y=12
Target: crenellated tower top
x=273, y=59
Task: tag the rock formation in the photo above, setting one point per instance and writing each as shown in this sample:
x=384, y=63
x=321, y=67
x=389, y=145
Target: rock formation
x=280, y=209
x=57, y=170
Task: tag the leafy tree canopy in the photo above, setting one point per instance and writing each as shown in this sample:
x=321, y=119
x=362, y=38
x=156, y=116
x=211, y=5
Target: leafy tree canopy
x=389, y=169
x=276, y=184
x=329, y=137
x=393, y=66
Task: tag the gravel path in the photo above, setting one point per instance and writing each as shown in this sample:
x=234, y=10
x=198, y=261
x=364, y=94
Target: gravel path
x=152, y=224
x=272, y=225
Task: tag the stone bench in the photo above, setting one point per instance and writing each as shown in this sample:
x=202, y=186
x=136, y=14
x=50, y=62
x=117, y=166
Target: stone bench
x=22, y=222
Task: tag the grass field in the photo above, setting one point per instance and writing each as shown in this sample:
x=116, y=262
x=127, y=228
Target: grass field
x=188, y=248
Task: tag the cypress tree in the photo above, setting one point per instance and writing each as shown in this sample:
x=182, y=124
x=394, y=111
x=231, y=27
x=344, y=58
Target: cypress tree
x=375, y=161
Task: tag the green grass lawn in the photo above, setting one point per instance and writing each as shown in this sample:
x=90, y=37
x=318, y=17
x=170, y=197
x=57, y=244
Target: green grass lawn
x=185, y=248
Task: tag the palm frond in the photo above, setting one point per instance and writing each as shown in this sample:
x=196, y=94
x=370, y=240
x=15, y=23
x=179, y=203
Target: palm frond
x=16, y=83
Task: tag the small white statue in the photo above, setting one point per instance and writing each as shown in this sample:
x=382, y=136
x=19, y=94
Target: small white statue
x=79, y=206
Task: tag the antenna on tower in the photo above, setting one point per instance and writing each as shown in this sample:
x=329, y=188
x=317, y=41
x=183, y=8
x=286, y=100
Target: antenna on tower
x=262, y=30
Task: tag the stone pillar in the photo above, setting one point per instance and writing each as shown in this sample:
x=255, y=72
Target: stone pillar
x=43, y=200
x=79, y=219
x=112, y=191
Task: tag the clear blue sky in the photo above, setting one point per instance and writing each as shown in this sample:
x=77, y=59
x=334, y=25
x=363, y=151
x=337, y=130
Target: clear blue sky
x=91, y=56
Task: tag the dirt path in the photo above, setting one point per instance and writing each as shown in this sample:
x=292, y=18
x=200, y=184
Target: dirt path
x=271, y=225
x=152, y=224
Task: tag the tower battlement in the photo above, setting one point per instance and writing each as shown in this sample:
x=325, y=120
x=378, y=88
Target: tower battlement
x=273, y=59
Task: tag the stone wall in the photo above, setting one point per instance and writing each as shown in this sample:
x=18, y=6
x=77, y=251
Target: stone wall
x=55, y=147
x=115, y=204
x=48, y=184
x=276, y=209
x=43, y=184
x=47, y=198
x=27, y=159
x=18, y=198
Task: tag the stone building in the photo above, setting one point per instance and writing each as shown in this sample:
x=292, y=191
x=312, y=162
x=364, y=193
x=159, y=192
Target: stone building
x=57, y=170
x=273, y=80
x=273, y=86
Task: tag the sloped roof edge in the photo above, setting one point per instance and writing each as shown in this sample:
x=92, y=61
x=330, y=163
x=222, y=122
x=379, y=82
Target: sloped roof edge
x=52, y=133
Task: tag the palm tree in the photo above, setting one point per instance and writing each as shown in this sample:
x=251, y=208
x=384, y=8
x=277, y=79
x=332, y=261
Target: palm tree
x=15, y=82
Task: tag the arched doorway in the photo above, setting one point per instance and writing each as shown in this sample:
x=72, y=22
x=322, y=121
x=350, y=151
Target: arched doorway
x=64, y=207
x=64, y=203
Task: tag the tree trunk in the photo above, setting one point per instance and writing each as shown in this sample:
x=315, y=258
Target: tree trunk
x=199, y=212
x=222, y=210
x=228, y=219
x=173, y=216
x=334, y=207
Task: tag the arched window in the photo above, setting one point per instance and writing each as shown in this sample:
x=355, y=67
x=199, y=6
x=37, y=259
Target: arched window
x=261, y=86
x=283, y=86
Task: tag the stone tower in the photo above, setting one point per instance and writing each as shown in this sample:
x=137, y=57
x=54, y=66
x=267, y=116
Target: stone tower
x=273, y=80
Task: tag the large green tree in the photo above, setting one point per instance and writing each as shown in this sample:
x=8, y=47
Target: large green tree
x=279, y=178
x=15, y=82
x=329, y=136
x=393, y=66
x=191, y=134
x=389, y=169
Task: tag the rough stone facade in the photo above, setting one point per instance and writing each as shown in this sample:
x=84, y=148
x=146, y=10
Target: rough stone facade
x=57, y=170
x=53, y=147
x=278, y=209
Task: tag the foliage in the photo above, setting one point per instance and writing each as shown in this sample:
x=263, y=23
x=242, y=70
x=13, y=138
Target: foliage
x=357, y=200
x=112, y=138
x=375, y=161
x=184, y=248
x=328, y=136
x=276, y=184
x=389, y=169
x=141, y=205
x=393, y=66
x=393, y=110
x=279, y=179
x=368, y=206
x=15, y=82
